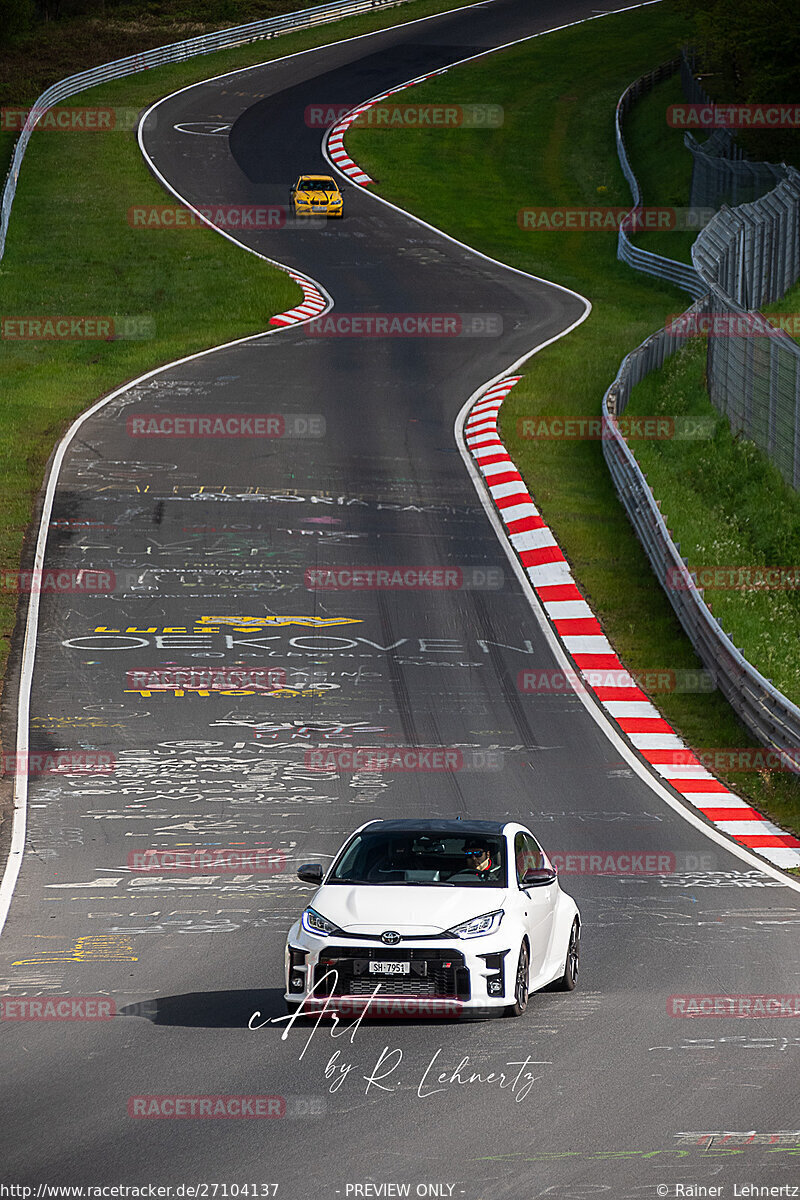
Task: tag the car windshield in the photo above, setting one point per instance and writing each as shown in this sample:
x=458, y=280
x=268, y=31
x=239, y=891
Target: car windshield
x=423, y=858
x=316, y=185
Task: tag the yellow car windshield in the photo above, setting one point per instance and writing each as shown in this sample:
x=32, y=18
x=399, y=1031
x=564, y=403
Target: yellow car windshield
x=317, y=185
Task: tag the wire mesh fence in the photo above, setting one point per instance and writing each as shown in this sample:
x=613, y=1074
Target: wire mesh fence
x=721, y=171
x=745, y=257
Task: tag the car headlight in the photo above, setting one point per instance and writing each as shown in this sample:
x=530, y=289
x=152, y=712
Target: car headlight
x=314, y=922
x=478, y=926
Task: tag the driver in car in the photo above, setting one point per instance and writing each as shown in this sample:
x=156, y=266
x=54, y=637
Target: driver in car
x=480, y=860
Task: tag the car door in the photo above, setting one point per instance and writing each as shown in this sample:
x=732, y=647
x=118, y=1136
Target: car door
x=539, y=906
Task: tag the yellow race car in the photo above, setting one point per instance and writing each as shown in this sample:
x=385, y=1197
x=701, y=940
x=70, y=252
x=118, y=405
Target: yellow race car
x=316, y=195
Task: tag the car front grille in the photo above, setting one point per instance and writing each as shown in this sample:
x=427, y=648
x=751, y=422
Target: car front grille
x=394, y=985
x=433, y=973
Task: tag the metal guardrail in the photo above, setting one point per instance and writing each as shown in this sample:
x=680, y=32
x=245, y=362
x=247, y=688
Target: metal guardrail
x=682, y=274
x=742, y=258
x=770, y=715
x=223, y=39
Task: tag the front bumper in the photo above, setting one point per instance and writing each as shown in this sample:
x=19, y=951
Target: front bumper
x=441, y=976
x=318, y=210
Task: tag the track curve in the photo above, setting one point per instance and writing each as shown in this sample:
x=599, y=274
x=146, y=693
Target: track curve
x=228, y=529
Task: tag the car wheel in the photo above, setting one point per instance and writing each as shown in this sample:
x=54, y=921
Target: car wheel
x=570, y=977
x=520, y=985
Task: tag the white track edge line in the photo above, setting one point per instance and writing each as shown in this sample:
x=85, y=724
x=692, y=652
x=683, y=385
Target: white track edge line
x=601, y=718
x=19, y=816
x=598, y=714
x=20, y=790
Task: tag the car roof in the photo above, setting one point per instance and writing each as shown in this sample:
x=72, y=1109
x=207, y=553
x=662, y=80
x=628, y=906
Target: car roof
x=423, y=825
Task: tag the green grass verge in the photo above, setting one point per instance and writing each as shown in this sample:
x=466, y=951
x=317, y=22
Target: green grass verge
x=728, y=506
x=81, y=33
x=70, y=251
x=557, y=147
x=790, y=303
x=71, y=44
x=662, y=164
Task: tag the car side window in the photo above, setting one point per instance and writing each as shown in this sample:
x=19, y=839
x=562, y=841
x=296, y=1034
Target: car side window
x=535, y=853
x=519, y=855
x=527, y=855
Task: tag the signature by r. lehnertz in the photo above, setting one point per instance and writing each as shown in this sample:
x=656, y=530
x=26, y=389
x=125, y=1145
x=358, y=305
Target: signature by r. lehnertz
x=516, y=1077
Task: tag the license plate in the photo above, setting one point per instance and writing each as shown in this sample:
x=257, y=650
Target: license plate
x=390, y=968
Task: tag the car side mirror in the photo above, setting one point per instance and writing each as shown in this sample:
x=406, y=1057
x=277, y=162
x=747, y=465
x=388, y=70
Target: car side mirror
x=539, y=877
x=310, y=873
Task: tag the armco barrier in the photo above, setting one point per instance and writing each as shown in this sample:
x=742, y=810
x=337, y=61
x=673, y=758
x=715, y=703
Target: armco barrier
x=223, y=39
x=770, y=715
x=682, y=274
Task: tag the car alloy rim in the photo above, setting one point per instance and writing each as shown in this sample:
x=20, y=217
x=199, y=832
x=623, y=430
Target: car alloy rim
x=573, y=953
x=522, y=982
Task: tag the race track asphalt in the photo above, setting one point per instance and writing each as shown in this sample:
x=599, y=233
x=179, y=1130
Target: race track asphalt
x=227, y=528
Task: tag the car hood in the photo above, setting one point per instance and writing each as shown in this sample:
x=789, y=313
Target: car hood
x=317, y=196
x=408, y=910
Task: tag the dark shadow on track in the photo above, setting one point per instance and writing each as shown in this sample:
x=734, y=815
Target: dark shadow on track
x=210, y=1010
x=234, y=1010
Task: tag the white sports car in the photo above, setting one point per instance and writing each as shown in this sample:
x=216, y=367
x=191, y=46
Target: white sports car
x=433, y=917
